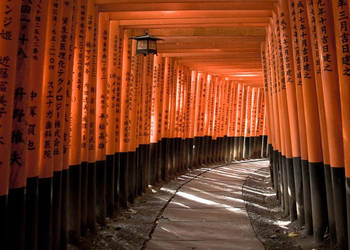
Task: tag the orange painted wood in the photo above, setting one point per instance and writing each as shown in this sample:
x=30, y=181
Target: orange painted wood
x=309, y=87
x=68, y=101
x=330, y=81
x=77, y=85
x=111, y=88
x=298, y=81
x=318, y=80
x=35, y=83
x=341, y=26
x=18, y=165
x=289, y=76
x=64, y=74
x=46, y=164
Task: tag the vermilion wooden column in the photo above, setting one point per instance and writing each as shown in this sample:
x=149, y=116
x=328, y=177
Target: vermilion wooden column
x=232, y=120
x=111, y=113
x=330, y=83
x=268, y=98
x=67, y=126
x=18, y=165
x=286, y=44
x=33, y=125
x=216, y=118
x=8, y=57
x=63, y=74
x=154, y=136
x=46, y=164
x=315, y=157
x=341, y=28
x=117, y=76
x=101, y=119
x=276, y=114
x=192, y=117
x=88, y=208
x=165, y=117
x=323, y=125
x=133, y=101
x=301, y=118
x=76, y=125
x=286, y=123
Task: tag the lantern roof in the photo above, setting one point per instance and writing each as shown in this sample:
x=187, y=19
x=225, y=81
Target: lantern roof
x=146, y=36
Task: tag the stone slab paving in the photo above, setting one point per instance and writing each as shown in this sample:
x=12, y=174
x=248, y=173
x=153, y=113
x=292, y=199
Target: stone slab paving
x=208, y=212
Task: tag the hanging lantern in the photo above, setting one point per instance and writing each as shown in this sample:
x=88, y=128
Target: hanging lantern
x=146, y=44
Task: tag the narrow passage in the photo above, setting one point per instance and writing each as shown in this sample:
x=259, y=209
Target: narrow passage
x=208, y=212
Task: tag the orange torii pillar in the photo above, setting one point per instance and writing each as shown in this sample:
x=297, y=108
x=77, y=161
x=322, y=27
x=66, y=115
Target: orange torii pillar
x=315, y=157
x=18, y=148
x=330, y=83
x=8, y=56
x=90, y=78
x=301, y=118
x=46, y=163
x=192, y=117
x=211, y=112
x=269, y=118
x=341, y=25
x=276, y=115
x=286, y=43
x=101, y=102
x=76, y=125
x=165, y=117
x=240, y=121
x=231, y=127
x=156, y=119
x=287, y=127
x=323, y=125
x=35, y=82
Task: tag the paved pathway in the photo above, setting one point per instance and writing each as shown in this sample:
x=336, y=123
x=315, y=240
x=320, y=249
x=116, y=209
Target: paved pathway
x=208, y=212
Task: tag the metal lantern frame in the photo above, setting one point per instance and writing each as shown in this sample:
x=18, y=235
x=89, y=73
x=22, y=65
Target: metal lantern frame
x=146, y=44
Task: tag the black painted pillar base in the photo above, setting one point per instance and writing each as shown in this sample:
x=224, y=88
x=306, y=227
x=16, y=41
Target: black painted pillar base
x=74, y=206
x=280, y=178
x=139, y=165
x=291, y=189
x=318, y=200
x=191, y=152
x=16, y=218
x=241, y=146
x=3, y=219
x=160, y=162
x=57, y=208
x=32, y=198
x=338, y=180
x=45, y=214
x=330, y=203
x=110, y=163
x=91, y=201
x=164, y=160
x=84, y=198
x=299, y=197
x=101, y=204
x=285, y=186
x=132, y=159
x=116, y=182
x=123, y=187
x=146, y=171
x=65, y=210
x=307, y=196
x=347, y=189
x=275, y=167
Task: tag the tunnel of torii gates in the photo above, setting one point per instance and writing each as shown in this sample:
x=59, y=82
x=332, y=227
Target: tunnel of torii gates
x=86, y=125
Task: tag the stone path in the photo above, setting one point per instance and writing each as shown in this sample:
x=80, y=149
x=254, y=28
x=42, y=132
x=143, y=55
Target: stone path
x=208, y=211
